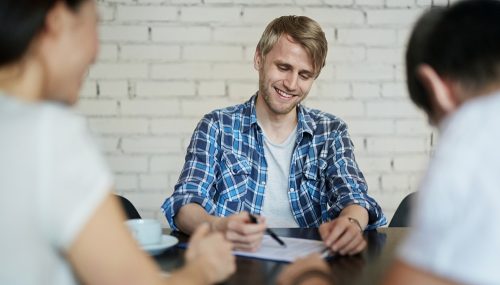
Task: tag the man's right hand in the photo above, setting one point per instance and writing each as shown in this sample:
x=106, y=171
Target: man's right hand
x=211, y=254
x=238, y=229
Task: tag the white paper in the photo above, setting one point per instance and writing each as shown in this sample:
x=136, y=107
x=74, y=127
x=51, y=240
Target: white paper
x=295, y=248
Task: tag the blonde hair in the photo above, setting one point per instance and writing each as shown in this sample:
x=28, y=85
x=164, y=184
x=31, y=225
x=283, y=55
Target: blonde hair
x=302, y=30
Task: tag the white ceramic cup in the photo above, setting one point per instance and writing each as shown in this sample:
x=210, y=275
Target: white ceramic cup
x=145, y=231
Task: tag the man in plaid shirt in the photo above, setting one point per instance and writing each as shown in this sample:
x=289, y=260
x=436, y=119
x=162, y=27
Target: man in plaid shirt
x=287, y=164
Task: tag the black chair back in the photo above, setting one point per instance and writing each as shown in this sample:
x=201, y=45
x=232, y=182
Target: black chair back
x=128, y=207
x=401, y=217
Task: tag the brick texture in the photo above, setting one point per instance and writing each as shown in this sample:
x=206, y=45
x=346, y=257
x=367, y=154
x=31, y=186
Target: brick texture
x=165, y=63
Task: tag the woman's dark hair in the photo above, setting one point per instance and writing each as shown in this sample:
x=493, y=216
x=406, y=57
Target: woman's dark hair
x=461, y=43
x=20, y=22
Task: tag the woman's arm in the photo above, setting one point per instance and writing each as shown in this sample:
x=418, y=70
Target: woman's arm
x=104, y=252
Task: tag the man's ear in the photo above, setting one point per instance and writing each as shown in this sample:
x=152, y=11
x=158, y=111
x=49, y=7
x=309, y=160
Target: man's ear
x=440, y=90
x=257, y=60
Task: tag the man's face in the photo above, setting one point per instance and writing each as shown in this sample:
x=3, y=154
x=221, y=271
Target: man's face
x=286, y=75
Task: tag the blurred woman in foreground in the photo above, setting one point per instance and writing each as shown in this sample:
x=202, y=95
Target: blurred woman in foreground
x=60, y=224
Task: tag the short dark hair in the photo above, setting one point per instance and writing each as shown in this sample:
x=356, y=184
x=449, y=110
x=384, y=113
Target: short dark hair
x=20, y=22
x=461, y=43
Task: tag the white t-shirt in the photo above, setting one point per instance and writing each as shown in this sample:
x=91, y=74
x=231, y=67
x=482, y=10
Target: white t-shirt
x=455, y=231
x=276, y=208
x=52, y=179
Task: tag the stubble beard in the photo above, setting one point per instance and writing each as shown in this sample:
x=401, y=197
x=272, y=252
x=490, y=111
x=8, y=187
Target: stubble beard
x=269, y=102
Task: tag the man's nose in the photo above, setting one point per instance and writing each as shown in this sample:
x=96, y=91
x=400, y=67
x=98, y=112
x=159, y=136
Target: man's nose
x=291, y=81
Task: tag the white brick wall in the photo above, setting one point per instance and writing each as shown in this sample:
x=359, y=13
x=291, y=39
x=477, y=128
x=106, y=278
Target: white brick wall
x=165, y=63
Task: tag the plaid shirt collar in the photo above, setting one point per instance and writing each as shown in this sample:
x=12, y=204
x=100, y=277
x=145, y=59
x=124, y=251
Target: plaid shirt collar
x=305, y=123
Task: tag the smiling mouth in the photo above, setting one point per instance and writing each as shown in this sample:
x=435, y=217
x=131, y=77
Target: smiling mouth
x=283, y=94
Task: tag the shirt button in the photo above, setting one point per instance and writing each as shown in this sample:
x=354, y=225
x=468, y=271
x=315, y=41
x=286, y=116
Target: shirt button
x=292, y=189
x=263, y=183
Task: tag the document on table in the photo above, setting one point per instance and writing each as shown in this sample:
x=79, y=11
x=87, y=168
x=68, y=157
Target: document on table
x=295, y=248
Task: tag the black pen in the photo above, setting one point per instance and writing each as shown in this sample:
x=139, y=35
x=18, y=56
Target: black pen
x=326, y=252
x=253, y=219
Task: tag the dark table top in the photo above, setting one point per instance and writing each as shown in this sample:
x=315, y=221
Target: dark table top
x=365, y=268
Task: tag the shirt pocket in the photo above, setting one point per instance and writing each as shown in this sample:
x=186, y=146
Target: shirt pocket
x=312, y=179
x=232, y=184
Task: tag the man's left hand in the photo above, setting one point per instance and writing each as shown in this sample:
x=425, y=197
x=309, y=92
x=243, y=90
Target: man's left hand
x=343, y=236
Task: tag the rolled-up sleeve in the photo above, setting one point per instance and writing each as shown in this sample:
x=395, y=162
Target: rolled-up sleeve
x=196, y=182
x=348, y=183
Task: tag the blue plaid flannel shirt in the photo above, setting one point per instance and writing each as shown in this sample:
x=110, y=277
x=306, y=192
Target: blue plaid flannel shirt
x=225, y=170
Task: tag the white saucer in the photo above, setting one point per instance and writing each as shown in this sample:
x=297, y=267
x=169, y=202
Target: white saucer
x=167, y=241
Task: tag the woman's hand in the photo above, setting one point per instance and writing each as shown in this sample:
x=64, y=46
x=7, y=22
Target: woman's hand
x=211, y=254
